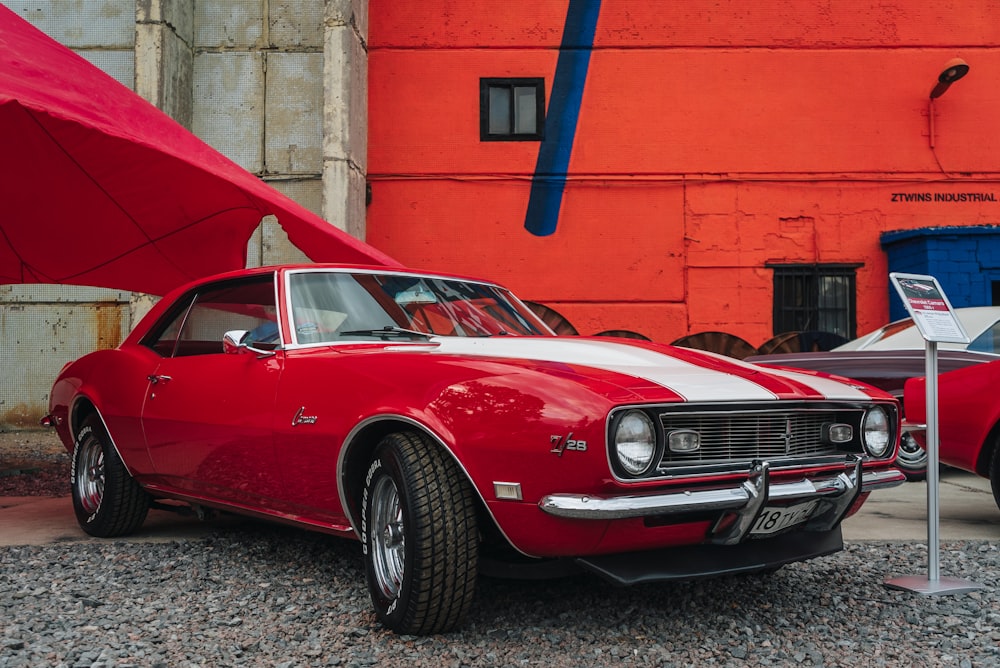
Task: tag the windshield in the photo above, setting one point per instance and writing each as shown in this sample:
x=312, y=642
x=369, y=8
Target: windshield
x=988, y=341
x=887, y=331
x=904, y=335
x=329, y=306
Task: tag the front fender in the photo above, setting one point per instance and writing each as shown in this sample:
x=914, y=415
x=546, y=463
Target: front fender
x=515, y=429
x=519, y=431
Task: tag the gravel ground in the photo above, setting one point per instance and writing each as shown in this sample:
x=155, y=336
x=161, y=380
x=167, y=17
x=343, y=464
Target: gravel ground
x=275, y=596
x=33, y=463
x=281, y=597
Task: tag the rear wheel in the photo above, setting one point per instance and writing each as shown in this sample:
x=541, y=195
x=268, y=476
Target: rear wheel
x=419, y=534
x=107, y=500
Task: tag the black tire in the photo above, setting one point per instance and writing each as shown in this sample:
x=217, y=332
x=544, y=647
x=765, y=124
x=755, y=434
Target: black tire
x=912, y=460
x=419, y=536
x=107, y=500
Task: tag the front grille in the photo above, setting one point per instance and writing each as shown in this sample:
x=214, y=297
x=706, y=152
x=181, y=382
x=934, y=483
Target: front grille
x=730, y=436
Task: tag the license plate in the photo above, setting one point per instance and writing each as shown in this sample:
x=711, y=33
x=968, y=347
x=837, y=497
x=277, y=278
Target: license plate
x=774, y=519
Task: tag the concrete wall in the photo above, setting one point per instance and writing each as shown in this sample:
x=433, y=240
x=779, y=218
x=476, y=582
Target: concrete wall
x=278, y=86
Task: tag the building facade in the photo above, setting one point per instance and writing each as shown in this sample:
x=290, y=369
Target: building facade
x=701, y=166
x=666, y=169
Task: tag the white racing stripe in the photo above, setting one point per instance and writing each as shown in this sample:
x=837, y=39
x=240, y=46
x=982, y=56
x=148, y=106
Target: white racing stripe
x=829, y=388
x=690, y=381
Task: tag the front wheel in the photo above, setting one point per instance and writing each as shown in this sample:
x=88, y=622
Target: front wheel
x=107, y=500
x=419, y=535
x=912, y=460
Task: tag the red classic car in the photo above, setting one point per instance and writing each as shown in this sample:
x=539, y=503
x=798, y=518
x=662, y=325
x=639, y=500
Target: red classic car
x=968, y=419
x=443, y=424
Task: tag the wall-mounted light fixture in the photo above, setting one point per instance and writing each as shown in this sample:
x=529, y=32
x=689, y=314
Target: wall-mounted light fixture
x=954, y=69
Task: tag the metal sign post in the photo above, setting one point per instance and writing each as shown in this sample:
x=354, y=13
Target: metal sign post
x=934, y=317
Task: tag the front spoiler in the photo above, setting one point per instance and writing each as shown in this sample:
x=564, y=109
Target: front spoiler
x=704, y=561
x=740, y=506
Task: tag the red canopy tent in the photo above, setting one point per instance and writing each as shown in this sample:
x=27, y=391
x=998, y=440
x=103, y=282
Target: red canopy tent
x=101, y=188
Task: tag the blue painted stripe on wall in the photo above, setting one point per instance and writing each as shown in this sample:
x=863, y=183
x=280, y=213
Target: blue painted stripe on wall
x=549, y=179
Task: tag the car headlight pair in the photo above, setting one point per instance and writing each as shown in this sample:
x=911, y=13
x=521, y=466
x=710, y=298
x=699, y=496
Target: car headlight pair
x=635, y=444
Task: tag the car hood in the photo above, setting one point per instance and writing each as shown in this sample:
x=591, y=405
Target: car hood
x=691, y=375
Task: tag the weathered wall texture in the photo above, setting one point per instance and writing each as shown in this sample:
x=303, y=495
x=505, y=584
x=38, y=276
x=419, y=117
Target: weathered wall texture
x=713, y=138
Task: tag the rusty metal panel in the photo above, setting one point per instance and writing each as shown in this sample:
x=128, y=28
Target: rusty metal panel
x=44, y=327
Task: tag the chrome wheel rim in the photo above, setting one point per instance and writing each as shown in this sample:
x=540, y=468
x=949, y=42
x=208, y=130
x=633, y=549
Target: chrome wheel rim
x=912, y=457
x=90, y=475
x=388, y=540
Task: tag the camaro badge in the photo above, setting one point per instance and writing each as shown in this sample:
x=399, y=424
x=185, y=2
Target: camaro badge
x=303, y=419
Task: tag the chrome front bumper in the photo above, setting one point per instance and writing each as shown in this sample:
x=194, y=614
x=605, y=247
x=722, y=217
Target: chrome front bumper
x=740, y=505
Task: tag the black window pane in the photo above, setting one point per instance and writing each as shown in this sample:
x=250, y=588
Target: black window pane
x=511, y=109
x=524, y=110
x=499, y=110
x=815, y=298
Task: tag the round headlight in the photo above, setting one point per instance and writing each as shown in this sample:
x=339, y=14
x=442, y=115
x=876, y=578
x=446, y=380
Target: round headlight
x=635, y=442
x=877, y=432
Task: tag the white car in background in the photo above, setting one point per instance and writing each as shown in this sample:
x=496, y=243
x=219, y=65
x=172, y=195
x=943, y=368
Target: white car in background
x=891, y=355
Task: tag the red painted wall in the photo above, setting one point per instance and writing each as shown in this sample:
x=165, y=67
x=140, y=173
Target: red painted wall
x=713, y=138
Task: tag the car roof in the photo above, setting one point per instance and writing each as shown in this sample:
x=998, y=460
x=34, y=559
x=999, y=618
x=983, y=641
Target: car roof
x=903, y=335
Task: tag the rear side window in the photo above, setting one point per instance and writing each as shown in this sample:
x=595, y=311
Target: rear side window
x=199, y=321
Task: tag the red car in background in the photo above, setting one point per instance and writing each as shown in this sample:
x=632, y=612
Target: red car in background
x=968, y=419
x=439, y=421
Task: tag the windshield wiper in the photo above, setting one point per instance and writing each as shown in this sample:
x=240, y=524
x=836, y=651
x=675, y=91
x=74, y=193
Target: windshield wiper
x=385, y=332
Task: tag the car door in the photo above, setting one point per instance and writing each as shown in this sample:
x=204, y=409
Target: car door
x=207, y=414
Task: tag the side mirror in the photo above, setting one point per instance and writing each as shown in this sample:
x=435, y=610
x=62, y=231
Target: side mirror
x=232, y=342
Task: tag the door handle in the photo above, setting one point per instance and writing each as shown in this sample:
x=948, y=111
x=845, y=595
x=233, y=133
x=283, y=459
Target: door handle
x=154, y=379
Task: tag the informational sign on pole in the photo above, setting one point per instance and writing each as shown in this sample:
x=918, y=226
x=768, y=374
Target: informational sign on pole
x=935, y=319
x=929, y=308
